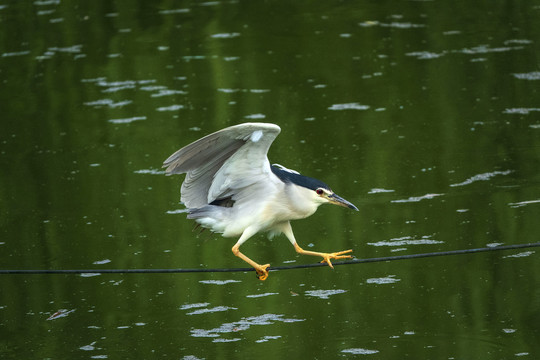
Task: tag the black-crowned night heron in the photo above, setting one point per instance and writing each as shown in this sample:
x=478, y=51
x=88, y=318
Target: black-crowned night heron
x=232, y=189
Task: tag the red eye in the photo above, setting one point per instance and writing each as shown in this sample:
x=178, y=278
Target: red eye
x=319, y=191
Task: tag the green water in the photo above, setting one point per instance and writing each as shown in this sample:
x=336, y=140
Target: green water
x=424, y=114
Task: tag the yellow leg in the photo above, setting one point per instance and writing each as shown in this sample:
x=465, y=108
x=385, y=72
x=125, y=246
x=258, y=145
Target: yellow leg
x=262, y=273
x=326, y=256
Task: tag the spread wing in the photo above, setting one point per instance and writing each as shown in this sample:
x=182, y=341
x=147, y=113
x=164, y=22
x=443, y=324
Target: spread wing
x=220, y=164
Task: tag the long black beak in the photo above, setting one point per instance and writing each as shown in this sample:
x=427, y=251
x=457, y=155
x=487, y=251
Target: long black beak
x=338, y=200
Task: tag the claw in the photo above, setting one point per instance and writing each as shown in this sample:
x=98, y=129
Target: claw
x=262, y=273
x=336, y=255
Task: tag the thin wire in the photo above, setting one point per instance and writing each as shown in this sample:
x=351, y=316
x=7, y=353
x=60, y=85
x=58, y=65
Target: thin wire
x=273, y=268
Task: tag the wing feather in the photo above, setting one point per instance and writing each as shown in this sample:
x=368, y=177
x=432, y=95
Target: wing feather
x=220, y=164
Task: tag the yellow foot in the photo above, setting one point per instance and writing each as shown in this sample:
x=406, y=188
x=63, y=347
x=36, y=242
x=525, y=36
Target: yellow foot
x=262, y=273
x=336, y=255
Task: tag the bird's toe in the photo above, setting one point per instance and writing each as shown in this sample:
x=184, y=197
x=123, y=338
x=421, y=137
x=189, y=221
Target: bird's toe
x=262, y=273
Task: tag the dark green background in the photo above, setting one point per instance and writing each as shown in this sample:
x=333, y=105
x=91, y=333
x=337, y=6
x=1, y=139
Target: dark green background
x=442, y=110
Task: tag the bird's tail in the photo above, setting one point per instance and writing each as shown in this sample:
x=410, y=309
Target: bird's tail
x=209, y=216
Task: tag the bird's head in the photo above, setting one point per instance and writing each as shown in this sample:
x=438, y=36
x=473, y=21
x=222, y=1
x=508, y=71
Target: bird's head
x=311, y=190
x=326, y=195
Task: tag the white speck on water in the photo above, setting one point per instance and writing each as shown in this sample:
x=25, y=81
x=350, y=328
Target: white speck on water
x=225, y=35
x=228, y=91
x=534, y=75
x=101, y=262
x=255, y=116
x=509, y=331
x=242, y=325
x=359, y=351
x=220, y=340
x=196, y=305
x=150, y=171
x=426, y=55
x=108, y=102
x=218, y=282
x=127, y=120
x=261, y=295
x=170, y=108
x=268, y=337
x=211, y=310
x=324, y=294
x=88, y=347
x=417, y=198
x=174, y=11
x=520, y=111
x=377, y=191
x=90, y=274
x=482, y=177
x=407, y=240
x=523, y=203
x=520, y=255
x=390, y=279
x=348, y=106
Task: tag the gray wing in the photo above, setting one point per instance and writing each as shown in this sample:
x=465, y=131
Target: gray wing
x=219, y=164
